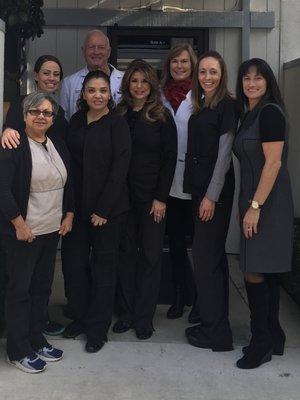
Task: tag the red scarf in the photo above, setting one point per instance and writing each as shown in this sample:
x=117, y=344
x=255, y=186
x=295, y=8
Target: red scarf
x=176, y=91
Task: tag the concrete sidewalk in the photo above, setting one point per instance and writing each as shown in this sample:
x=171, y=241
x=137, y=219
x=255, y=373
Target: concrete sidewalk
x=164, y=367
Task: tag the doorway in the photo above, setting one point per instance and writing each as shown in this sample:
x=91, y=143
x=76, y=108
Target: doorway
x=151, y=44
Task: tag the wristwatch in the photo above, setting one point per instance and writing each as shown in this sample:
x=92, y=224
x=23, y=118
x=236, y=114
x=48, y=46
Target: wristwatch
x=255, y=205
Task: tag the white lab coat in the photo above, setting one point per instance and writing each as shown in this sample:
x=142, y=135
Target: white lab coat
x=72, y=84
x=181, y=119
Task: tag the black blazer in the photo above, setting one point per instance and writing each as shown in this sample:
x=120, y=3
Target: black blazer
x=153, y=161
x=15, y=178
x=100, y=155
x=14, y=119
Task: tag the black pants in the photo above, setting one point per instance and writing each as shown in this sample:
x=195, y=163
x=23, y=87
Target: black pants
x=126, y=276
x=90, y=259
x=211, y=272
x=179, y=225
x=150, y=236
x=3, y=280
x=30, y=270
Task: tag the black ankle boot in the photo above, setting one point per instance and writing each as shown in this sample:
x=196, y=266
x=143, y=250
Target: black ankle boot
x=260, y=349
x=177, y=308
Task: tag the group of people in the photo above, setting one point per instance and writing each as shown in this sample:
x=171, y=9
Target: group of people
x=124, y=157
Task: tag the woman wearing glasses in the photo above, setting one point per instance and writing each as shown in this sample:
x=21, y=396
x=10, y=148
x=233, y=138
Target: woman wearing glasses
x=36, y=206
x=48, y=74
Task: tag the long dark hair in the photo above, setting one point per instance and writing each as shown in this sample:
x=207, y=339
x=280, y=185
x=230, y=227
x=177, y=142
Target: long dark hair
x=82, y=105
x=153, y=109
x=44, y=58
x=222, y=90
x=262, y=68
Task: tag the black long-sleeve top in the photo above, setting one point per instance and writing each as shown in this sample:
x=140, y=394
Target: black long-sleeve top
x=15, y=179
x=15, y=120
x=100, y=156
x=153, y=160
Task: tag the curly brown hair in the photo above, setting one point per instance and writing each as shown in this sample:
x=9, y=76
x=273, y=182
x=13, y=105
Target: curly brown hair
x=153, y=109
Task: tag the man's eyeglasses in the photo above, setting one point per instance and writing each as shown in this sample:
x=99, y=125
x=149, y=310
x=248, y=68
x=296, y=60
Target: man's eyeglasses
x=45, y=113
x=95, y=47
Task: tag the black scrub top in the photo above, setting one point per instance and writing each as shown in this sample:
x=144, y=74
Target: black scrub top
x=204, y=131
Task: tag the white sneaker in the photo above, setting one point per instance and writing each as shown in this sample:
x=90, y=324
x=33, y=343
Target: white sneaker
x=49, y=353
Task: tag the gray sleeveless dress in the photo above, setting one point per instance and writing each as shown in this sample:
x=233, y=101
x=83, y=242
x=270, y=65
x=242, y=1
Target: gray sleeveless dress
x=270, y=250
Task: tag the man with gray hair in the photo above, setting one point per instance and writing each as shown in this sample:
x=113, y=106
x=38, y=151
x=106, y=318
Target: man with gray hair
x=96, y=51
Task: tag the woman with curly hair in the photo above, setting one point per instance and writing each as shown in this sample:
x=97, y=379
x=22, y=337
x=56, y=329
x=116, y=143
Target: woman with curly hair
x=153, y=160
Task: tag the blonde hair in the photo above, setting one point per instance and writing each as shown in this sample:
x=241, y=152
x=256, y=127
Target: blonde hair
x=175, y=51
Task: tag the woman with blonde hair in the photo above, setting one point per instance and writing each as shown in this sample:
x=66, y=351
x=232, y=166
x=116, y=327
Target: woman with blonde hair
x=176, y=85
x=151, y=171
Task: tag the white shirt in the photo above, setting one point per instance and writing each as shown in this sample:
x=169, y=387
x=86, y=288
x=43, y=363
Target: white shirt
x=181, y=119
x=72, y=84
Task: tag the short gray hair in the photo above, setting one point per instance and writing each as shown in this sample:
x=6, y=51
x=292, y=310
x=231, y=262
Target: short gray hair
x=95, y=32
x=34, y=99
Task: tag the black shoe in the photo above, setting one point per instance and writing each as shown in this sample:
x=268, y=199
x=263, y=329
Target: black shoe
x=73, y=330
x=254, y=357
x=175, y=311
x=53, y=328
x=94, y=346
x=197, y=338
x=194, y=315
x=177, y=308
x=143, y=333
x=121, y=326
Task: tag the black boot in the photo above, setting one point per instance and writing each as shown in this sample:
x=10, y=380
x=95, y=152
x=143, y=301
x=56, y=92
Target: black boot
x=260, y=348
x=276, y=331
x=177, y=308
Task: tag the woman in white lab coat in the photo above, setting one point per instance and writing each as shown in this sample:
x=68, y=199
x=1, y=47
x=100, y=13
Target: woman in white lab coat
x=176, y=95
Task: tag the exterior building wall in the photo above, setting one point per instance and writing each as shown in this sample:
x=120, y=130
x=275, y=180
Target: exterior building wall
x=290, y=30
x=291, y=90
x=66, y=43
